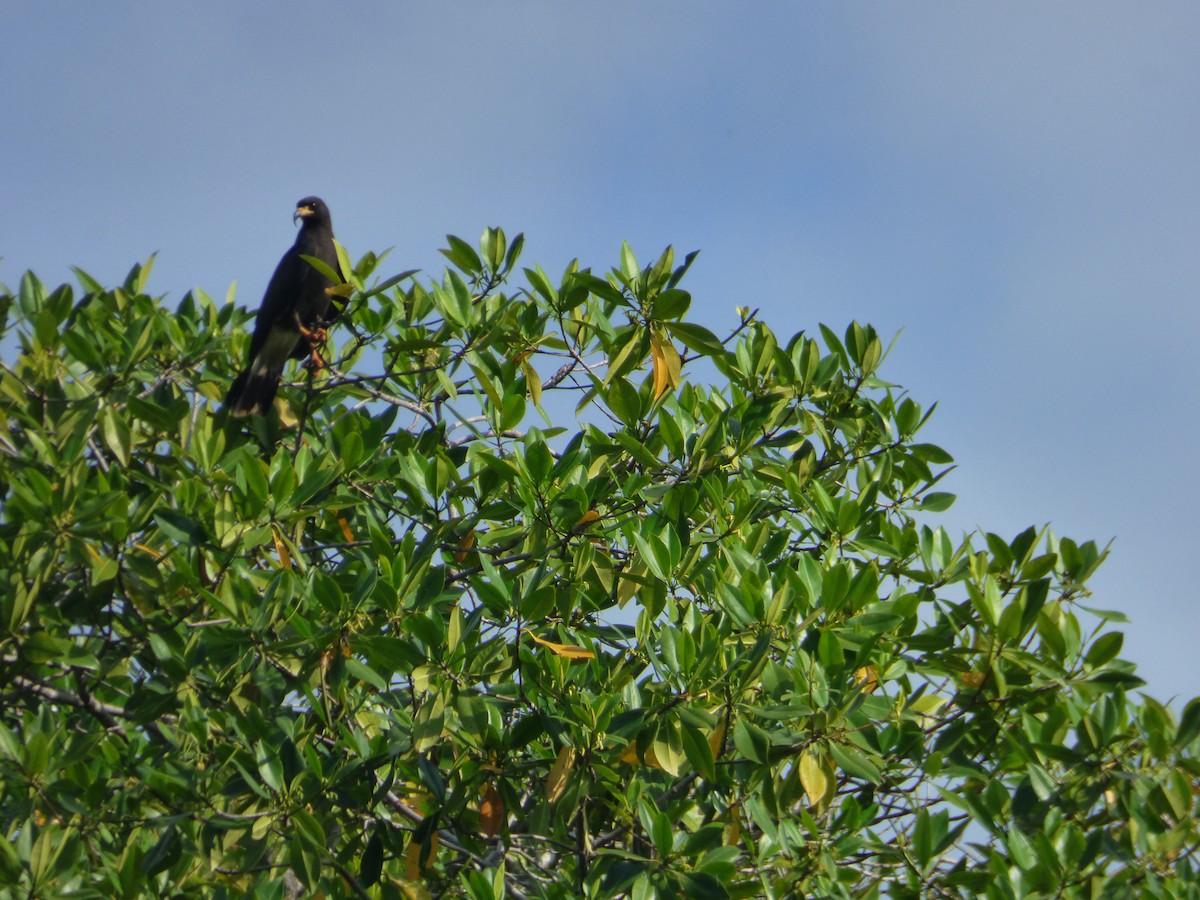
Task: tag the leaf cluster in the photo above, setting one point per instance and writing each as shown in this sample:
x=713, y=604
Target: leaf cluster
x=540, y=590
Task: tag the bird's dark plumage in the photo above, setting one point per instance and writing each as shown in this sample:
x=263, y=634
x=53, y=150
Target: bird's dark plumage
x=295, y=306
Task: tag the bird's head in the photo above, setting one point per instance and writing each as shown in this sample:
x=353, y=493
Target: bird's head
x=311, y=209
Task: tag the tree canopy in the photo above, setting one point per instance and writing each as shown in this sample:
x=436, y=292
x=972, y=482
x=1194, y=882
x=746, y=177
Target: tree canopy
x=539, y=590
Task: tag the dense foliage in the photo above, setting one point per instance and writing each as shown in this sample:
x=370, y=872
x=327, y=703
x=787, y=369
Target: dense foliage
x=539, y=590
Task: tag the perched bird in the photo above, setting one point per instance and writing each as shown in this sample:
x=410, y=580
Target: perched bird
x=295, y=310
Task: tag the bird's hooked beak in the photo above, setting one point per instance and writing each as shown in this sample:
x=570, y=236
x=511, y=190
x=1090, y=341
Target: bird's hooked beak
x=301, y=212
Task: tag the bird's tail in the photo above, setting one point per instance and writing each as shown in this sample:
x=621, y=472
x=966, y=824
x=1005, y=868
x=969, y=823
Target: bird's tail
x=252, y=393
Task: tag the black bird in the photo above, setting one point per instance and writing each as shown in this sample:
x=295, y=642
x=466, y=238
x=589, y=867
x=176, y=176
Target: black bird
x=294, y=311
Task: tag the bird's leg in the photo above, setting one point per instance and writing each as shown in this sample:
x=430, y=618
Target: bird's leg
x=315, y=337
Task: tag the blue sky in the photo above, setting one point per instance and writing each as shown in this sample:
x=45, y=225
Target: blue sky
x=1016, y=186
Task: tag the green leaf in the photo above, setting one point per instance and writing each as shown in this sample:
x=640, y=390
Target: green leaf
x=270, y=767
x=671, y=304
x=492, y=245
x=365, y=673
x=937, y=501
x=514, y=251
x=854, y=763
x=696, y=338
x=624, y=400
x=637, y=450
x=180, y=528
x=924, y=838
x=1104, y=649
x=326, y=270
x=629, y=354
x=835, y=346
x=751, y=741
x=389, y=283
x=538, y=461
x=1021, y=850
x=931, y=453
x=164, y=853
x=117, y=436
x=699, y=753
x=830, y=651
x=1039, y=567
x=462, y=255
x=370, y=865
x=540, y=282
x=309, y=830
x=629, y=263
x=1189, y=724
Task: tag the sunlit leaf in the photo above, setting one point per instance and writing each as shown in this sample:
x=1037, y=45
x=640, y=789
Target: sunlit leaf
x=666, y=364
x=818, y=786
x=566, y=651
x=588, y=518
x=560, y=774
x=491, y=811
x=464, y=544
x=281, y=549
x=731, y=834
x=420, y=856
x=867, y=678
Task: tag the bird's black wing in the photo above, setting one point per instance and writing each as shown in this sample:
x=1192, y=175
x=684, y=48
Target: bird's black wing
x=314, y=306
x=276, y=333
x=278, y=308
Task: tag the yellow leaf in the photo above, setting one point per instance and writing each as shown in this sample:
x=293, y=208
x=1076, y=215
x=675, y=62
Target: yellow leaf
x=417, y=861
x=732, y=834
x=817, y=783
x=974, y=679
x=867, y=678
x=411, y=890
x=533, y=380
x=616, y=364
x=287, y=415
x=674, y=365
x=346, y=532
x=667, y=364
x=631, y=581
x=417, y=797
x=262, y=826
x=340, y=290
x=716, y=741
x=491, y=811
x=560, y=773
x=630, y=755
x=285, y=558
x=660, y=366
x=566, y=651
x=465, y=543
x=585, y=520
